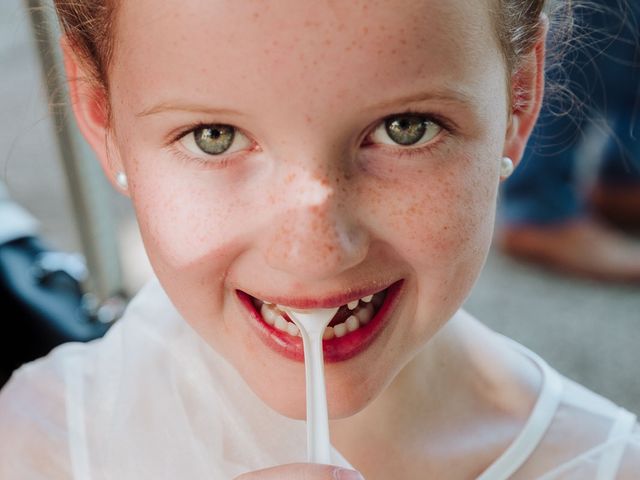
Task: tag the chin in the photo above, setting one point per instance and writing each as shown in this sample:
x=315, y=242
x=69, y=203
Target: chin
x=347, y=394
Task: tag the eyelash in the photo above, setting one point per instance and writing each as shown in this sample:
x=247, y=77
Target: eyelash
x=223, y=160
x=448, y=129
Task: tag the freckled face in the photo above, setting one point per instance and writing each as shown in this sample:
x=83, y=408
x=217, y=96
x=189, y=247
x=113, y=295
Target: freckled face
x=317, y=194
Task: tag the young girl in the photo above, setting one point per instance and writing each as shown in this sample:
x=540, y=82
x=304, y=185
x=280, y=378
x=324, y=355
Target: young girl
x=307, y=154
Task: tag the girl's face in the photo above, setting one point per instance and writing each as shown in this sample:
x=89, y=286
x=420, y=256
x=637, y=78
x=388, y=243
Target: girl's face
x=360, y=146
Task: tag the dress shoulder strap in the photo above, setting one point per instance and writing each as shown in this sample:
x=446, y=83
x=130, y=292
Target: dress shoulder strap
x=623, y=425
x=537, y=424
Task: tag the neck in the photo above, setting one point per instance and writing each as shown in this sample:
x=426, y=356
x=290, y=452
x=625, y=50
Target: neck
x=463, y=377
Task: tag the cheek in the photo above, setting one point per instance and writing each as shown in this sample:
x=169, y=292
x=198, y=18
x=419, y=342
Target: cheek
x=443, y=220
x=441, y=224
x=178, y=233
x=185, y=225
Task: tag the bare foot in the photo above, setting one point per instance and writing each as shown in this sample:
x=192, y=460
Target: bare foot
x=581, y=247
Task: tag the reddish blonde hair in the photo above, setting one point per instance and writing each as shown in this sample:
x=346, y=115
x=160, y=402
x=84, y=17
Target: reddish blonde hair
x=88, y=26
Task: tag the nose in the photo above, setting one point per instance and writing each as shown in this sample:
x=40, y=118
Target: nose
x=315, y=235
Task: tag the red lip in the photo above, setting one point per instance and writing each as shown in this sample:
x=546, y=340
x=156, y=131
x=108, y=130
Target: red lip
x=336, y=349
x=328, y=302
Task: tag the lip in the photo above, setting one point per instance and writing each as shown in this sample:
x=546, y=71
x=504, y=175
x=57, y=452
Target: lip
x=337, y=300
x=336, y=349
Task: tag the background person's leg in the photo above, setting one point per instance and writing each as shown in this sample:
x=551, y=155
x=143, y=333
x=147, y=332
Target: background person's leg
x=616, y=197
x=543, y=214
x=619, y=68
x=544, y=218
x=542, y=190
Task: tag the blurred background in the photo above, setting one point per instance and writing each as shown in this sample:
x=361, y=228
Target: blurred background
x=587, y=329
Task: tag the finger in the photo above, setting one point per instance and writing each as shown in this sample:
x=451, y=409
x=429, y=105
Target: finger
x=302, y=471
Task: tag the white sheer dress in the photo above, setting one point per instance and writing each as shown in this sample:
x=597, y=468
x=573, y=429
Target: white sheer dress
x=152, y=401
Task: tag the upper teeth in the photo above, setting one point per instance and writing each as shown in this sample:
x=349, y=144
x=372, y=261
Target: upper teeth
x=362, y=314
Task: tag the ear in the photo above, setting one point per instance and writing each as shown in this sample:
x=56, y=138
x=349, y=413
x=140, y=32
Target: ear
x=527, y=91
x=89, y=102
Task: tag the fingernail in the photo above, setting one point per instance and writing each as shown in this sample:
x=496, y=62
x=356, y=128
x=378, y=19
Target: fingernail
x=344, y=474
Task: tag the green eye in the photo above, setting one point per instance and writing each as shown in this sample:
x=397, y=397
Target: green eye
x=214, y=139
x=406, y=130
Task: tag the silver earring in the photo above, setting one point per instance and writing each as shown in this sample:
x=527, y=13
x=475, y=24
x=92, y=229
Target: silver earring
x=121, y=180
x=506, y=168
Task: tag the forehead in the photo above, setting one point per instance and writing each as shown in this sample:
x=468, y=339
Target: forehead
x=320, y=50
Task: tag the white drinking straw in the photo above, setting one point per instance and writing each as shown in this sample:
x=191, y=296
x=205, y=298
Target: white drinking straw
x=312, y=324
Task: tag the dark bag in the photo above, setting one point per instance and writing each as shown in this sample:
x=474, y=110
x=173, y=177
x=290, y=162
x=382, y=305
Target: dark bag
x=42, y=303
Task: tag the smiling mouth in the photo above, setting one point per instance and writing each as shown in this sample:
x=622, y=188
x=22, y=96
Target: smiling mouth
x=351, y=330
x=349, y=317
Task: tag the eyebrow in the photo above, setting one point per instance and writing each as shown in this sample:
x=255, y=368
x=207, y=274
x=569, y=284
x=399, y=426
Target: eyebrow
x=445, y=95
x=178, y=106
